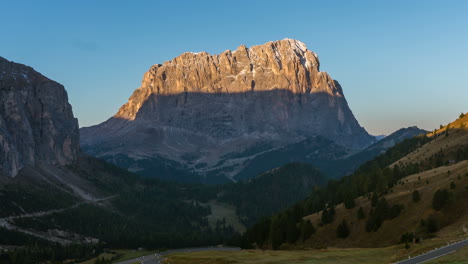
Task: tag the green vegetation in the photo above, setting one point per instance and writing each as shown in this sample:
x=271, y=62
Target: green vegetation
x=168, y=214
x=31, y=197
x=440, y=199
x=416, y=196
x=360, y=213
x=328, y=256
x=374, y=176
x=272, y=191
x=433, y=223
x=452, y=185
x=39, y=251
x=328, y=215
x=380, y=213
x=407, y=238
x=343, y=230
x=349, y=203
x=306, y=230
x=175, y=215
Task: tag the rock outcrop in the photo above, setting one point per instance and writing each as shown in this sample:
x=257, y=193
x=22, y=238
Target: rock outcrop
x=36, y=121
x=215, y=112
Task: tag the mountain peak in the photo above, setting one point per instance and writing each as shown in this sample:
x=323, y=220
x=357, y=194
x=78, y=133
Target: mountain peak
x=216, y=113
x=283, y=64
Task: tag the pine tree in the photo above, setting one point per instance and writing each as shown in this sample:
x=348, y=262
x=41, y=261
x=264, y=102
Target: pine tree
x=292, y=232
x=276, y=233
x=440, y=199
x=416, y=196
x=349, y=202
x=307, y=229
x=343, y=230
x=360, y=213
x=375, y=200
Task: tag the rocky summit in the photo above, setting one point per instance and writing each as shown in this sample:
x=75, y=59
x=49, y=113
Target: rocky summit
x=212, y=115
x=36, y=121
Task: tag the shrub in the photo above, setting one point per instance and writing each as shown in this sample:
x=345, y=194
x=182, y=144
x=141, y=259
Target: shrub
x=452, y=185
x=360, y=213
x=407, y=237
x=307, y=229
x=349, y=203
x=343, y=230
x=440, y=199
x=433, y=223
x=374, y=200
x=328, y=215
x=423, y=222
x=382, y=212
x=416, y=196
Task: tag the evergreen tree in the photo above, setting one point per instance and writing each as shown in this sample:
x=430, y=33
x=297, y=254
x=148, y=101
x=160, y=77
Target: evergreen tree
x=292, y=232
x=416, y=196
x=328, y=215
x=343, y=230
x=276, y=234
x=307, y=229
x=452, y=185
x=349, y=202
x=440, y=199
x=432, y=224
x=360, y=213
x=375, y=200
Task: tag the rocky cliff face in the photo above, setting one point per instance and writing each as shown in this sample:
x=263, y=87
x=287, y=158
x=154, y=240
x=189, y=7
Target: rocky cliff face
x=217, y=112
x=36, y=120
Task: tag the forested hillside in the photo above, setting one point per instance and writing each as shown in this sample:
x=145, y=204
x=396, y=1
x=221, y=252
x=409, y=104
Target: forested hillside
x=373, y=195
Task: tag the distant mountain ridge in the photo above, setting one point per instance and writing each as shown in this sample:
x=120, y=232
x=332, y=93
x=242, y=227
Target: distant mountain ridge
x=212, y=114
x=349, y=164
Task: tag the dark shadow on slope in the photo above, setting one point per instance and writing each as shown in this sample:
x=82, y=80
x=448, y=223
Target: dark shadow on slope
x=174, y=126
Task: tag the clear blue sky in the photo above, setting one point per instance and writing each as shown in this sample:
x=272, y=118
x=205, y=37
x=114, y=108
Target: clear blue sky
x=400, y=63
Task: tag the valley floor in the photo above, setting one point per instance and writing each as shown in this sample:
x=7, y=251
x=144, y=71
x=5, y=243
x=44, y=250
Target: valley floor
x=324, y=256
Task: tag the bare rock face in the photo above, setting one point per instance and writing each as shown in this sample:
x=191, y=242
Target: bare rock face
x=36, y=120
x=286, y=64
x=214, y=113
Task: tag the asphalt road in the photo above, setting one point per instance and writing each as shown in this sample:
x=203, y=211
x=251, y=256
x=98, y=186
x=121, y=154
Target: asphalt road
x=436, y=253
x=156, y=258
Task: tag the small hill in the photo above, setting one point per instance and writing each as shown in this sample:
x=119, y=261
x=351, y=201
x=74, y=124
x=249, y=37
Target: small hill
x=410, y=193
x=460, y=123
x=449, y=144
x=454, y=217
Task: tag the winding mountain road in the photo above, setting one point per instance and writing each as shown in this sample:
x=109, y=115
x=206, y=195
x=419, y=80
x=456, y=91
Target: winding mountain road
x=158, y=257
x=8, y=222
x=436, y=253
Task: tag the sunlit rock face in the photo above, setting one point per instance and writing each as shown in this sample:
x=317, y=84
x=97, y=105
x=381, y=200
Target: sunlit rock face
x=36, y=121
x=211, y=114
